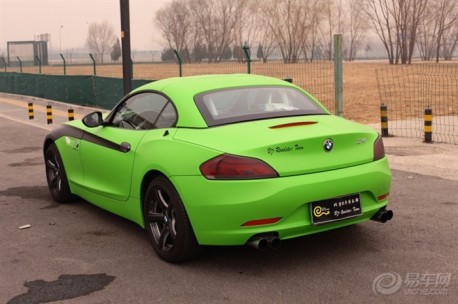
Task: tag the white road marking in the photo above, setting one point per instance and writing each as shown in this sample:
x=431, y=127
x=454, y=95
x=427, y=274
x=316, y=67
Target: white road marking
x=49, y=128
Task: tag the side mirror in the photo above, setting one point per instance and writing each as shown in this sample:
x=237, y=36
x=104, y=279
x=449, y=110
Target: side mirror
x=93, y=119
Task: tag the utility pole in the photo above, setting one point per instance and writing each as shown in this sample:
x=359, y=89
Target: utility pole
x=60, y=39
x=125, y=44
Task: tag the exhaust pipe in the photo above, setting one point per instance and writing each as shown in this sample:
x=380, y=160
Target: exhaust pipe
x=258, y=242
x=383, y=215
x=262, y=241
x=273, y=241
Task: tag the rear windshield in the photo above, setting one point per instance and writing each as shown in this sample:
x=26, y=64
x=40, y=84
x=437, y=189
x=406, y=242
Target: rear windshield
x=244, y=104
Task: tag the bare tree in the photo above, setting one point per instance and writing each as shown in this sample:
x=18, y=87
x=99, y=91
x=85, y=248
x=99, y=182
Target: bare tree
x=100, y=38
x=267, y=43
x=289, y=23
x=438, y=31
x=310, y=46
x=215, y=22
x=426, y=37
x=383, y=23
x=333, y=22
x=450, y=41
x=446, y=16
x=257, y=30
x=412, y=12
x=246, y=30
x=176, y=26
x=396, y=23
x=357, y=21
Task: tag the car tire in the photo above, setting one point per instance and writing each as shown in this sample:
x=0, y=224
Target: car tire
x=167, y=224
x=56, y=176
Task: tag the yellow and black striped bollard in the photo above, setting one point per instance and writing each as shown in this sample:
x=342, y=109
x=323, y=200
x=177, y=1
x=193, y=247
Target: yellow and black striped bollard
x=31, y=114
x=71, y=114
x=49, y=114
x=384, y=119
x=428, y=125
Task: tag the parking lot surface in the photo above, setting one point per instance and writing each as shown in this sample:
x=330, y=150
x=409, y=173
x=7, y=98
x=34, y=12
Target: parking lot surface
x=77, y=253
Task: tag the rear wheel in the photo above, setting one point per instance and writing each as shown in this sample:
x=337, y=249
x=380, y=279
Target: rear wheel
x=56, y=176
x=167, y=223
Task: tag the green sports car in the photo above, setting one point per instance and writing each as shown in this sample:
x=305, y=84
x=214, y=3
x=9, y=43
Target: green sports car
x=221, y=160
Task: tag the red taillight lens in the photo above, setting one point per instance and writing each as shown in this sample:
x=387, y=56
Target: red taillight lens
x=261, y=222
x=228, y=166
x=379, y=149
x=383, y=197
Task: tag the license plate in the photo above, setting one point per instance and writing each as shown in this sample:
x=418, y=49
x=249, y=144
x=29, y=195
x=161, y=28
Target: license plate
x=335, y=209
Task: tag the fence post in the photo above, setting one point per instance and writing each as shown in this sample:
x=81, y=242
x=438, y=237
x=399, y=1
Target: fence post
x=338, y=79
x=4, y=63
x=246, y=50
x=93, y=63
x=180, y=62
x=428, y=125
x=20, y=63
x=39, y=64
x=65, y=64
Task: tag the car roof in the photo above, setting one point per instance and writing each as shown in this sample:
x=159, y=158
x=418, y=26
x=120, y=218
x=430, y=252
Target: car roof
x=181, y=90
x=201, y=83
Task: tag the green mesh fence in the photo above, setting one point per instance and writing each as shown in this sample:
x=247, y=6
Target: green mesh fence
x=107, y=90
x=101, y=92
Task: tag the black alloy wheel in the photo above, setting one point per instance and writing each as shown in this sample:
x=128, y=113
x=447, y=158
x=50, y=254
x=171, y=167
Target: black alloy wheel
x=167, y=223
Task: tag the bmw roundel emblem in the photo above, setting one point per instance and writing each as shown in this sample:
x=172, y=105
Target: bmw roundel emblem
x=328, y=145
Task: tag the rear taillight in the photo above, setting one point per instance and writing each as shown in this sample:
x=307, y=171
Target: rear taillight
x=383, y=197
x=228, y=166
x=379, y=149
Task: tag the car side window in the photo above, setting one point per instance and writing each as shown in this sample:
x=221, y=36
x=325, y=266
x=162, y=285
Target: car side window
x=145, y=111
x=167, y=118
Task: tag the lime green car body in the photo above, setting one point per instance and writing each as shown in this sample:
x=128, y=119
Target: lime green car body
x=228, y=211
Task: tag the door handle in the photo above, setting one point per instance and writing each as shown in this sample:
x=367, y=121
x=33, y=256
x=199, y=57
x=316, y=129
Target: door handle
x=124, y=147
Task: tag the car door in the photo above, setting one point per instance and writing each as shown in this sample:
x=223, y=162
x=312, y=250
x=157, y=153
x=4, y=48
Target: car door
x=108, y=151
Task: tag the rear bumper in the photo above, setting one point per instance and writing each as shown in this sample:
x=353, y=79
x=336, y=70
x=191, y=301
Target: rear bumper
x=217, y=209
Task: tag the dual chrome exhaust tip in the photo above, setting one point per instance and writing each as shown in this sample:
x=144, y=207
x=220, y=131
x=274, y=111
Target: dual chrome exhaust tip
x=383, y=215
x=264, y=241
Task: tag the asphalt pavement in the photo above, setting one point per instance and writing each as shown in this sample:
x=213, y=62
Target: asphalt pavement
x=78, y=253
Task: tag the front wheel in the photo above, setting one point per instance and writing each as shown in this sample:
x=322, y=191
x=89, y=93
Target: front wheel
x=56, y=176
x=167, y=223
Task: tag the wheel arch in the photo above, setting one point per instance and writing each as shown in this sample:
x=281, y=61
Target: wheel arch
x=147, y=178
x=46, y=144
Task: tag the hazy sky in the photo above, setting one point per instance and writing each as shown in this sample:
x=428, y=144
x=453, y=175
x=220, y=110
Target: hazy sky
x=67, y=21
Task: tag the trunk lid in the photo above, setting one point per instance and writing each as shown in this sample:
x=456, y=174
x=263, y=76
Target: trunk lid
x=293, y=145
